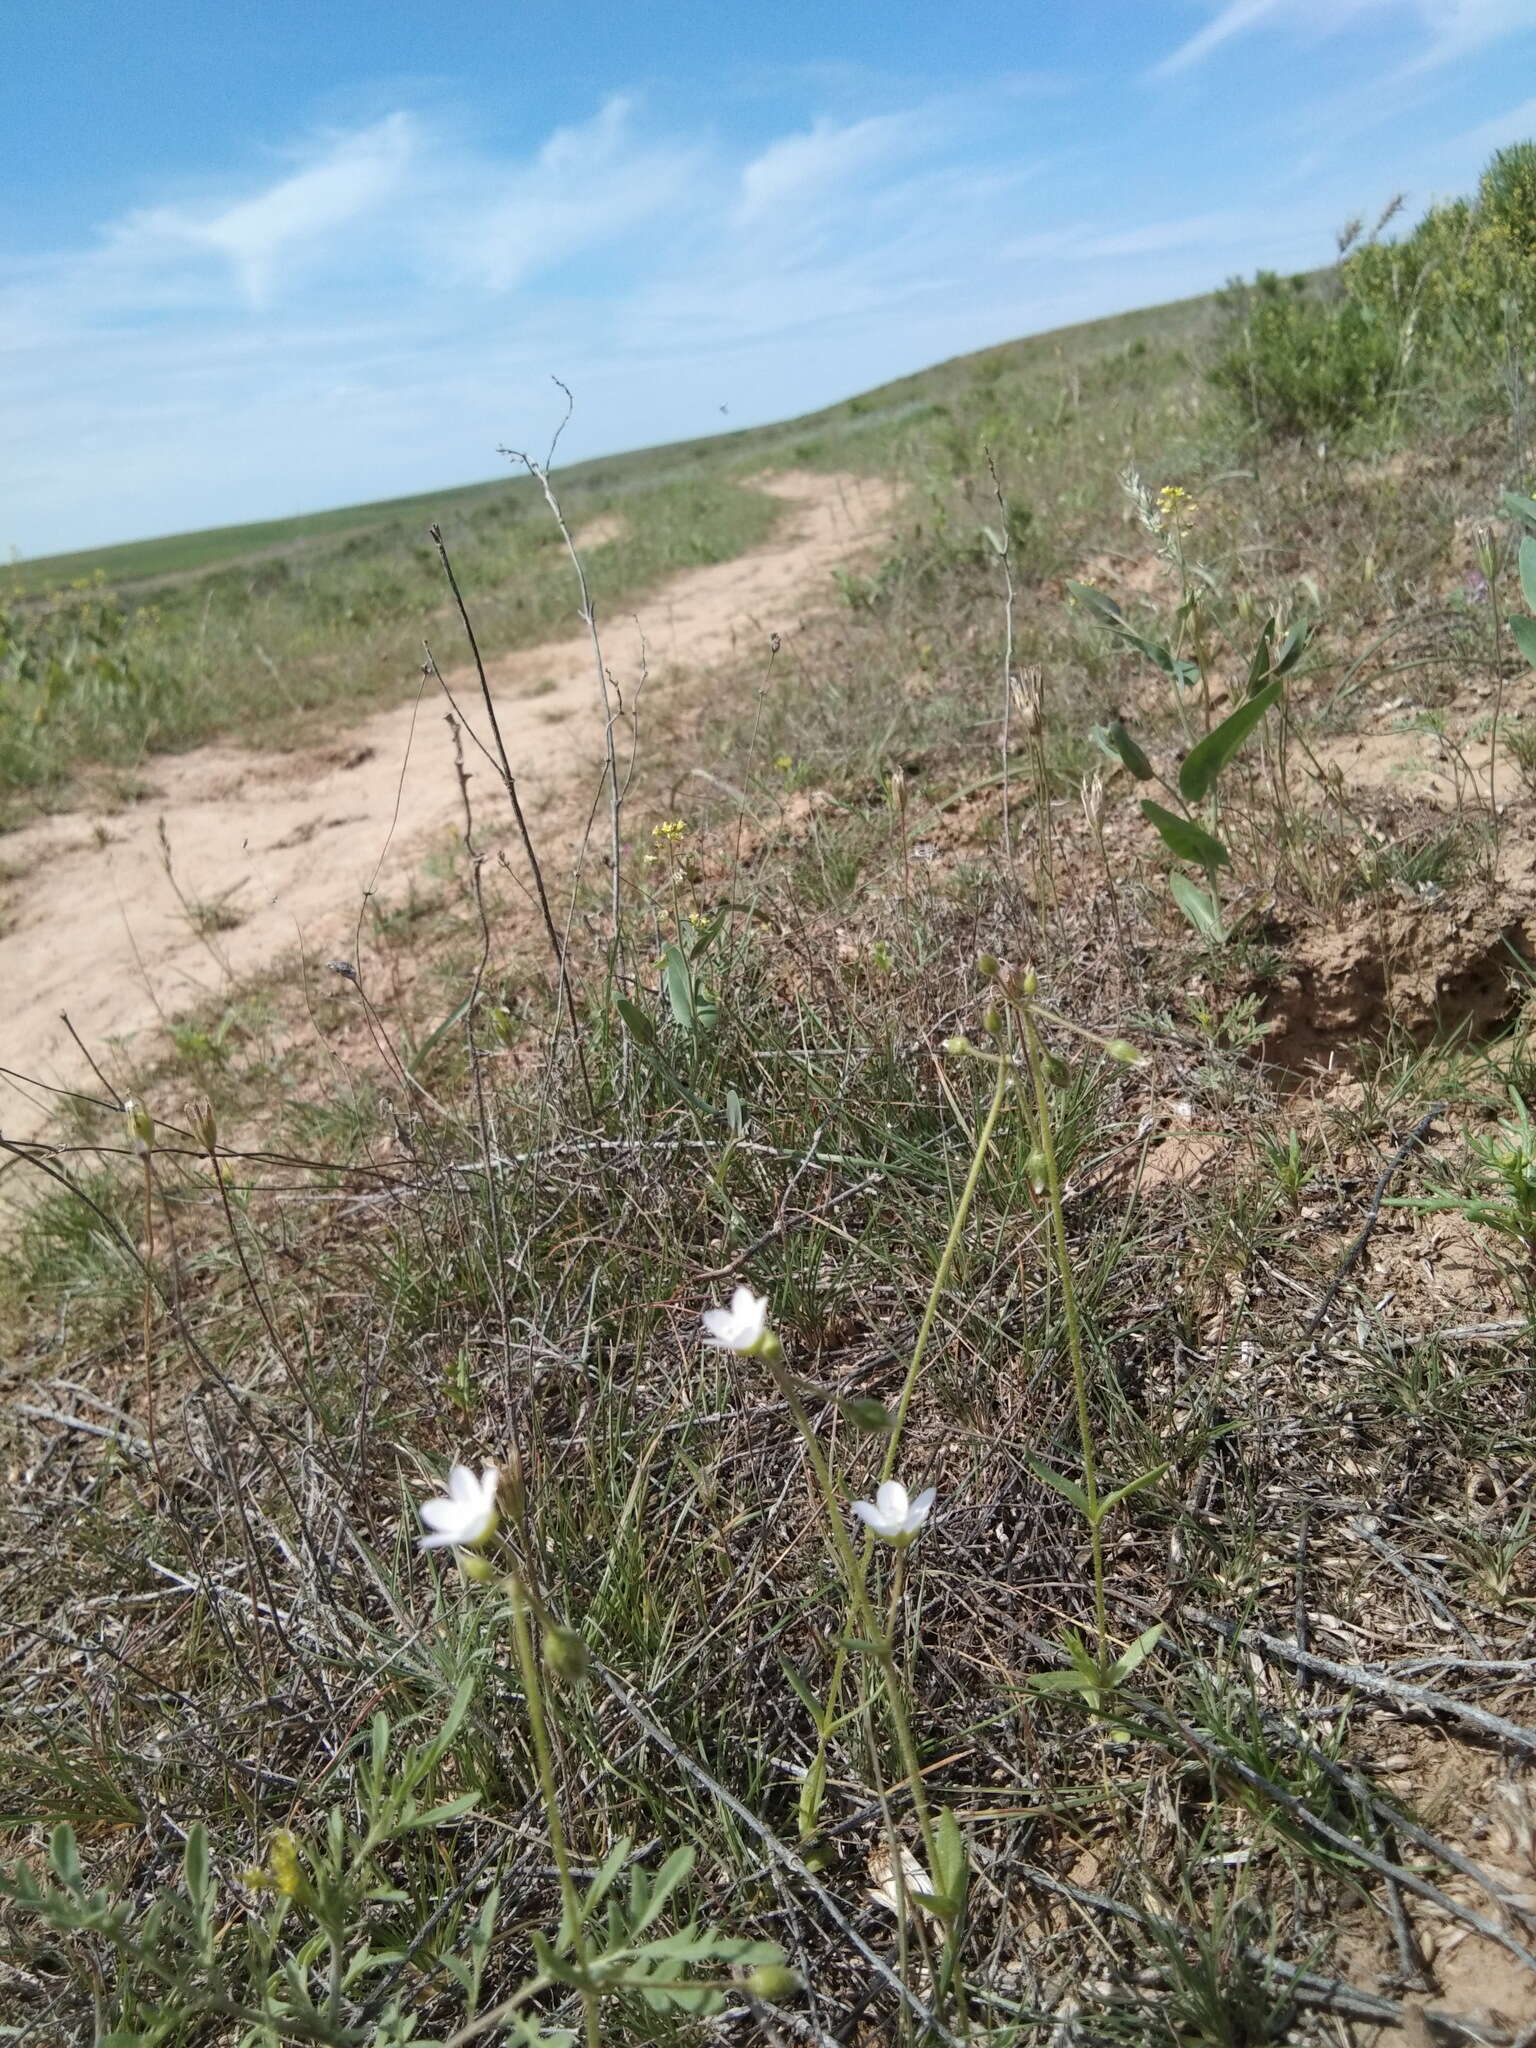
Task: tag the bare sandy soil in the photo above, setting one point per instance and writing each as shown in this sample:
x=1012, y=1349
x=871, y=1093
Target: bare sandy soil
x=291, y=844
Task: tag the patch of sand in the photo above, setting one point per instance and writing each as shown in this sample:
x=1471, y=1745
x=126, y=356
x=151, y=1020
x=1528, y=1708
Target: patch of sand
x=293, y=843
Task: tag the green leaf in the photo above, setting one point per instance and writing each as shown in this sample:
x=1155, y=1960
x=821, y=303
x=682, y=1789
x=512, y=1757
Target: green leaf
x=64, y=1855
x=1518, y=506
x=195, y=1864
x=1197, y=906
x=801, y=1690
x=679, y=986
x=1528, y=570
x=813, y=1788
x=607, y=1876
x=1062, y=1681
x=1113, y=1500
x=673, y=1872
x=1292, y=648
x=1205, y=761
x=1524, y=631
x=439, y=1816
x=1067, y=1488
x=1096, y=602
x=940, y=1904
x=636, y=1022
x=1184, y=838
x=1138, y=1653
x=1115, y=741
x=950, y=1856
x=1262, y=665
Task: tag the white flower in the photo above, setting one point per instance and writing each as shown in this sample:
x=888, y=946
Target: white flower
x=466, y=1515
x=892, y=1516
x=743, y=1327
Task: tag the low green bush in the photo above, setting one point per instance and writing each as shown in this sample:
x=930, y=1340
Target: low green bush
x=1451, y=306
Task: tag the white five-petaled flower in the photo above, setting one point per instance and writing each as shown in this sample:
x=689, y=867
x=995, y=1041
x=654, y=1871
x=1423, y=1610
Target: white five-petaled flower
x=743, y=1327
x=892, y=1515
x=466, y=1516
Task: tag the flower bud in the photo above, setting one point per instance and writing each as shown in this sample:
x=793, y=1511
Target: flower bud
x=773, y=1981
x=1037, y=1171
x=565, y=1654
x=1122, y=1050
x=865, y=1412
x=987, y=966
x=479, y=1571
x=141, y=1127
x=203, y=1123
x=1057, y=1072
x=992, y=1020
x=957, y=1045
x=1029, y=982
x=503, y=1023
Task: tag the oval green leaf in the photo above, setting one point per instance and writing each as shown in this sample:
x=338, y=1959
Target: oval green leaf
x=1205, y=761
x=1184, y=838
x=1528, y=570
x=1196, y=906
x=1118, y=742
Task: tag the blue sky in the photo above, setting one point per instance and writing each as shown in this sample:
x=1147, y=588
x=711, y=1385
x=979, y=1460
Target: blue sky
x=266, y=259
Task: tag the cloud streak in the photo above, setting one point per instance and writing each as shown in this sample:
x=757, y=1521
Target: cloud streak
x=1449, y=28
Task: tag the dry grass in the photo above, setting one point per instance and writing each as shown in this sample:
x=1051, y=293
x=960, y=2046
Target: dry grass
x=1305, y=1814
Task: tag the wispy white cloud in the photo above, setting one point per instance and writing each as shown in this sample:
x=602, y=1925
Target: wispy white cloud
x=382, y=308
x=1516, y=124
x=1449, y=28
x=347, y=177
x=589, y=183
x=826, y=159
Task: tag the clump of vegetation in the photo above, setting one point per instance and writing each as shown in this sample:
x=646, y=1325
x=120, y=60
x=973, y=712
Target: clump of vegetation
x=1298, y=359
x=267, y=649
x=1449, y=308
x=853, y=1437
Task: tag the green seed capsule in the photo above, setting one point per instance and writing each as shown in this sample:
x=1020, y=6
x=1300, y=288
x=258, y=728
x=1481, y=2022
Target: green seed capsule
x=773, y=1981
x=1122, y=1050
x=565, y=1654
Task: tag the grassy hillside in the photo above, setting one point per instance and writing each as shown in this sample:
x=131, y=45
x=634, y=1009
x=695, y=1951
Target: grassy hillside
x=264, y=633
x=1080, y=985
x=136, y=562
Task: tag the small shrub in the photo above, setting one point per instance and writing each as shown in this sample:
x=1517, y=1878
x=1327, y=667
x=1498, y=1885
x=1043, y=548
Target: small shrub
x=1295, y=363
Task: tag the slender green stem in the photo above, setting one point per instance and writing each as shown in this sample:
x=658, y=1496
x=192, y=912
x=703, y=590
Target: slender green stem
x=909, y=1385
x=957, y=1225
x=533, y=1690
x=855, y=1572
x=1063, y=1257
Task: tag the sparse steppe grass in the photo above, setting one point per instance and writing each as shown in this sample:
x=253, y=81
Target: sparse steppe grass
x=420, y=1243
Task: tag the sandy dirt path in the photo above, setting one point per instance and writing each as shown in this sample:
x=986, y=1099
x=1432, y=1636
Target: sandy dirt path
x=90, y=924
